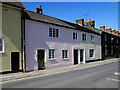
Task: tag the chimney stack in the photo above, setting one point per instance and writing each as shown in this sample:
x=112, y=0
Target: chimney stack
x=91, y=23
x=108, y=29
x=39, y=10
x=80, y=22
x=102, y=27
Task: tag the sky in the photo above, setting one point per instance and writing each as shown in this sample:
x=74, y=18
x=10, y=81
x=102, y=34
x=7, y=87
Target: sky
x=105, y=13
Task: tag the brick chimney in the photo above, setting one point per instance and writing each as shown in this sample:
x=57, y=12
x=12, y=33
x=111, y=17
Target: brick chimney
x=102, y=27
x=39, y=10
x=117, y=33
x=108, y=29
x=90, y=23
x=80, y=22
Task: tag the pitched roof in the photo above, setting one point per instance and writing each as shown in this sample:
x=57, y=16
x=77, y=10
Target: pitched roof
x=16, y=3
x=51, y=20
x=94, y=29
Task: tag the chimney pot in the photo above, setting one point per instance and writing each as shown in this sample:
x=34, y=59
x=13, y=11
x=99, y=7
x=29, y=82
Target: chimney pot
x=39, y=9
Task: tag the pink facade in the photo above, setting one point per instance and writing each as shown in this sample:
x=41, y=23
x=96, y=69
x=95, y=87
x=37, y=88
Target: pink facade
x=37, y=37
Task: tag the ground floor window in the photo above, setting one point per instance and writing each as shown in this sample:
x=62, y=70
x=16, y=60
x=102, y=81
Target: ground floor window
x=64, y=53
x=51, y=53
x=91, y=53
x=1, y=45
x=106, y=50
x=111, y=50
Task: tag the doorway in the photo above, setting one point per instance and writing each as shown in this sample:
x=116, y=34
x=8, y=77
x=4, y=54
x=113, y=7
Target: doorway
x=41, y=58
x=81, y=56
x=15, y=61
x=75, y=56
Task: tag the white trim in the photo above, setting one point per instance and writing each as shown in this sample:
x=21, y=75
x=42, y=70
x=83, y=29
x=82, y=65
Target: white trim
x=44, y=53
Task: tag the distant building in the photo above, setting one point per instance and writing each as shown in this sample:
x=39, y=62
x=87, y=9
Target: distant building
x=51, y=42
x=110, y=42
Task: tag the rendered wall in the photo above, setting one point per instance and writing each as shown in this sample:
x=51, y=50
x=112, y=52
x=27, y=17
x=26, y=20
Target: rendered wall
x=37, y=38
x=11, y=32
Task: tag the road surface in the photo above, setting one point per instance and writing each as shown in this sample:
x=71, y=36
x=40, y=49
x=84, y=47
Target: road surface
x=102, y=76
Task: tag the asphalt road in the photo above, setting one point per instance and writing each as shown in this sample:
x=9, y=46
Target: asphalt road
x=103, y=76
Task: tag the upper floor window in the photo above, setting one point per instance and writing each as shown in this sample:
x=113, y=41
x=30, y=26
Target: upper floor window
x=92, y=38
x=112, y=39
x=111, y=50
x=64, y=53
x=1, y=45
x=91, y=52
x=75, y=36
x=53, y=32
x=105, y=37
x=51, y=53
x=117, y=40
x=83, y=37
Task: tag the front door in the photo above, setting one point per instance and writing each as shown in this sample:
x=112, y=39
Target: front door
x=40, y=58
x=75, y=56
x=81, y=55
x=15, y=61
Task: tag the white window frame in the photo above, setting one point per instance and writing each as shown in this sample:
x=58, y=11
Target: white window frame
x=3, y=45
x=54, y=33
x=76, y=36
x=93, y=54
x=51, y=53
x=65, y=54
x=85, y=37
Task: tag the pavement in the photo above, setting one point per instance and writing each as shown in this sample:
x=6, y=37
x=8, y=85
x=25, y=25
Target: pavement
x=22, y=75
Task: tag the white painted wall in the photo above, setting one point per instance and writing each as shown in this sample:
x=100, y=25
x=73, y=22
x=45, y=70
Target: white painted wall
x=36, y=35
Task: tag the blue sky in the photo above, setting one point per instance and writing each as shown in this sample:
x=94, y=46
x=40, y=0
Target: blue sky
x=102, y=12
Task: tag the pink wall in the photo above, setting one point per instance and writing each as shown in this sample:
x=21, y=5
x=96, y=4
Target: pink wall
x=37, y=38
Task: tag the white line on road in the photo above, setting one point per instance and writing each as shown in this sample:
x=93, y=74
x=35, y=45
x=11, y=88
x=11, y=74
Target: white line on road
x=113, y=79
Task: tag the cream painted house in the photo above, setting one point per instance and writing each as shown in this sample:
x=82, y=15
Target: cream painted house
x=11, y=36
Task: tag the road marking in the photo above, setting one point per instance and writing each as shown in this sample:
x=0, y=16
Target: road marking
x=113, y=79
x=117, y=73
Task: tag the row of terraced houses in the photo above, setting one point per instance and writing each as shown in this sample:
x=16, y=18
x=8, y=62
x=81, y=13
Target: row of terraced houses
x=32, y=41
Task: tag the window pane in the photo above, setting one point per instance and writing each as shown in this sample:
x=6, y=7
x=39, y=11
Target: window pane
x=57, y=33
x=73, y=35
x=49, y=54
x=62, y=53
x=0, y=41
x=65, y=53
x=54, y=32
x=1, y=48
x=76, y=36
x=50, y=32
x=52, y=53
